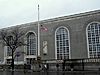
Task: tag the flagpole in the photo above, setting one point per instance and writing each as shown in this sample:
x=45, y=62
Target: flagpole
x=38, y=51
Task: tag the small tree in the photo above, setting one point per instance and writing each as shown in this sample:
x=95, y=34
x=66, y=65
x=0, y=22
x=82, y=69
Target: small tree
x=13, y=39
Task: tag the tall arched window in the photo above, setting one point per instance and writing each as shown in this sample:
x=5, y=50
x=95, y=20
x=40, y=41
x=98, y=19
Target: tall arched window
x=62, y=43
x=93, y=39
x=31, y=44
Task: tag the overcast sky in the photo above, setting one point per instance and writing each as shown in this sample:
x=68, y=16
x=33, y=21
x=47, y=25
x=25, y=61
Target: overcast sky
x=15, y=12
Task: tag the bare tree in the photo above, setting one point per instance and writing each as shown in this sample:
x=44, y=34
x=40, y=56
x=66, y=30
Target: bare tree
x=13, y=39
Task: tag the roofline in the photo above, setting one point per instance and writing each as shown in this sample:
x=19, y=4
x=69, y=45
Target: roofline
x=79, y=15
x=62, y=18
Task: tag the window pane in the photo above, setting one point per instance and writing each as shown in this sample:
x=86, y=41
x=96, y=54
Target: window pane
x=31, y=41
x=62, y=42
x=93, y=40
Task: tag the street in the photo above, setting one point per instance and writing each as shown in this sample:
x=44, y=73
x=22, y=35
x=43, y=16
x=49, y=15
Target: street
x=50, y=73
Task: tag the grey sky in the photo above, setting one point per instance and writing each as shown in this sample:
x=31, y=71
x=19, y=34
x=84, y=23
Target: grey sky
x=13, y=12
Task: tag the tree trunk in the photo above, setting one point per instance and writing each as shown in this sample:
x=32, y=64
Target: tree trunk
x=12, y=63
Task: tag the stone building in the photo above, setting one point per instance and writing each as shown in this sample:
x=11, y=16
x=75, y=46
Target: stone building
x=68, y=37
